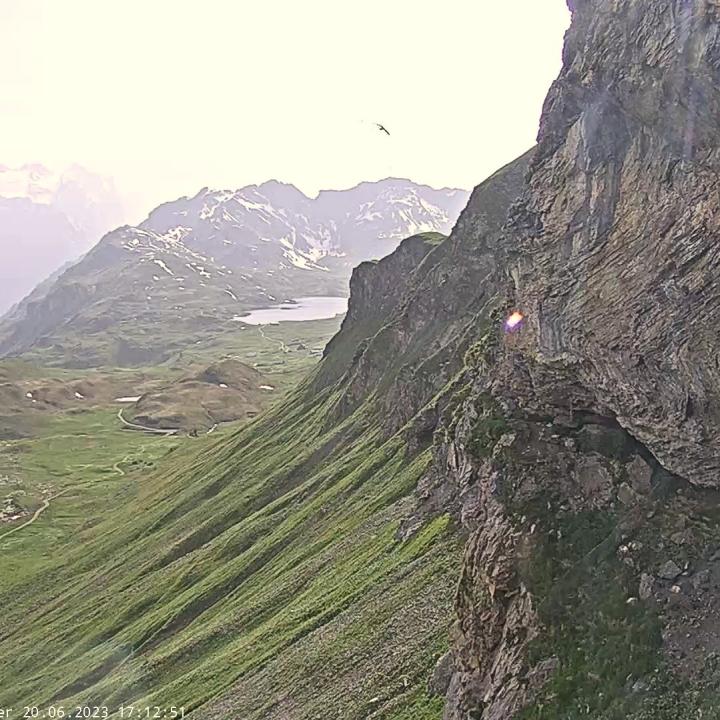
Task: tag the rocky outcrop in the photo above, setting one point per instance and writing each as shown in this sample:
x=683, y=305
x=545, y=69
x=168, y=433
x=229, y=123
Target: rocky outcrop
x=376, y=290
x=571, y=430
x=615, y=263
x=446, y=304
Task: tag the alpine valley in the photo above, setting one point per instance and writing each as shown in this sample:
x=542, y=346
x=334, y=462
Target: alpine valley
x=194, y=266
x=447, y=515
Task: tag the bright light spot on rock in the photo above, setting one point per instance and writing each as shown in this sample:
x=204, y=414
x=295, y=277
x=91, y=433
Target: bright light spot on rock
x=513, y=322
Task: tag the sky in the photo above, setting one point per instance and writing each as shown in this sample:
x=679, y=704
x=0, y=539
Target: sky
x=169, y=96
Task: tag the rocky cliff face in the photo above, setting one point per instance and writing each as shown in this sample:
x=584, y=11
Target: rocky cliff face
x=585, y=445
x=616, y=262
x=578, y=453
x=377, y=289
x=417, y=350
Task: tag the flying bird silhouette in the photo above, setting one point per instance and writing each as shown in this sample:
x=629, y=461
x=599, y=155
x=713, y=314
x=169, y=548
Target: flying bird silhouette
x=382, y=128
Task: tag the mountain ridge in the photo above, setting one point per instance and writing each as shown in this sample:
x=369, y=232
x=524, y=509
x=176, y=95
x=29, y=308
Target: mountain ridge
x=352, y=575
x=322, y=191
x=48, y=219
x=304, y=567
x=199, y=263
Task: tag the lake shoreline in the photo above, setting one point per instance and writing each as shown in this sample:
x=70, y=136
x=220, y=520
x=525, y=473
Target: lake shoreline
x=297, y=310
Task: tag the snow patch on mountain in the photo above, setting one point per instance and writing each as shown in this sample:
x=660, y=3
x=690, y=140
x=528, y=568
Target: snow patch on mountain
x=163, y=266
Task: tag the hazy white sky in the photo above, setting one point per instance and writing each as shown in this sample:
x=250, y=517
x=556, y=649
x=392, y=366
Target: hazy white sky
x=167, y=96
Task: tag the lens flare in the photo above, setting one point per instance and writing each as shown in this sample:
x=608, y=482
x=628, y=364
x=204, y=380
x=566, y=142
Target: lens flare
x=514, y=321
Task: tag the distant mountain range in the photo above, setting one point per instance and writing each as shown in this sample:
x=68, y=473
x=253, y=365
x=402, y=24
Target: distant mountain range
x=197, y=263
x=47, y=219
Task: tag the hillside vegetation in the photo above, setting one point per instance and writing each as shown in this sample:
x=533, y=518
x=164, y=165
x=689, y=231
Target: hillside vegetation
x=272, y=552
x=557, y=476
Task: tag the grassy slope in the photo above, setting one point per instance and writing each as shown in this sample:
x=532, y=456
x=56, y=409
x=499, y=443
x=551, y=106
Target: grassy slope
x=261, y=579
x=262, y=553
x=88, y=464
x=270, y=349
x=234, y=338
x=63, y=443
x=283, y=354
x=126, y=333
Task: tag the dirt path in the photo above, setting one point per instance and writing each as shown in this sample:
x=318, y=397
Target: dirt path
x=36, y=514
x=116, y=467
x=143, y=428
x=283, y=347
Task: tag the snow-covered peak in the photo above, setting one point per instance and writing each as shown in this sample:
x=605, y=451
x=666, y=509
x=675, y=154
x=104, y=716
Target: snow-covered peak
x=41, y=184
x=32, y=181
x=359, y=223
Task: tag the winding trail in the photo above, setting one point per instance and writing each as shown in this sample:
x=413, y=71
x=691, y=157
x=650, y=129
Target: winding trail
x=36, y=514
x=116, y=467
x=280, y=343
x=156, y=431
x=143, y=428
